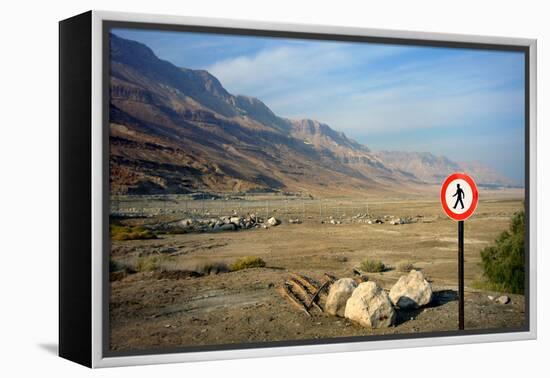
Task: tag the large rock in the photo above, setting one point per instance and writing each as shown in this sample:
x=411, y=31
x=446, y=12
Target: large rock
x=339, y=293
x=370, y=306
x=411, y=291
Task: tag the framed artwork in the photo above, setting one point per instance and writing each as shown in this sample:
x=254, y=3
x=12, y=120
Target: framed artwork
x=231, y=189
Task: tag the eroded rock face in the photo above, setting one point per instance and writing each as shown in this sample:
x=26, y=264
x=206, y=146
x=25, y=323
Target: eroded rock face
x=339, y=293
x=411, y=291
x=370, y=306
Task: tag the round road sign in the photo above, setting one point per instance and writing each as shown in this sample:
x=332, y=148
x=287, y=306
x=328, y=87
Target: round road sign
x=459, y=196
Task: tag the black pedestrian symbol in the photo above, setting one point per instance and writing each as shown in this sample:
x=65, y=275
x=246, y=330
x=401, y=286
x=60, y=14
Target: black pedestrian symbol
x=459, y=196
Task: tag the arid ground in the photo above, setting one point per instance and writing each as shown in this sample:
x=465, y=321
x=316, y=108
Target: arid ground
x=163, y=308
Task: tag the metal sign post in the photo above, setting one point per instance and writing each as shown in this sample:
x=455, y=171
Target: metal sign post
x=459, y=198
x=460, y=275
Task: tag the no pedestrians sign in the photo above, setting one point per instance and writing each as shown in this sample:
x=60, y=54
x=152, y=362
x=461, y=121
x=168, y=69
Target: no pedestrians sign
x=459, y=196
x=459, y=200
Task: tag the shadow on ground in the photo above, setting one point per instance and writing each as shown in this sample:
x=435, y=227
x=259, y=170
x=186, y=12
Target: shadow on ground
x=439, y=298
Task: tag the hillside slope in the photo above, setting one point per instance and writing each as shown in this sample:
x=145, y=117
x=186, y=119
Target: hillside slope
x=177, y=130
x=434, y=169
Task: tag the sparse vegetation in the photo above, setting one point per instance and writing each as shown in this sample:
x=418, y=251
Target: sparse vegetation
x=486, y=285
x=151, y=263
x=405, y=266
x=504, y=263
x=247, y=262
x=212, y=268
x=116, y=266
x=372, y=266
x=119, y=232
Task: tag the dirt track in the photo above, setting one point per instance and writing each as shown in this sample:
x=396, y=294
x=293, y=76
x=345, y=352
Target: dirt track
x=149, y=311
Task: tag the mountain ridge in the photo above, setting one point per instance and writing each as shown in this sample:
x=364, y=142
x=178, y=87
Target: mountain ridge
x=433, y=169
x=178, y=130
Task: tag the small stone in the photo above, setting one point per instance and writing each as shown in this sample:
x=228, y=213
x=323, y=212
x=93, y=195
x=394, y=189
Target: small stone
x=503, y=299
x=273, y=221
x=235, y=220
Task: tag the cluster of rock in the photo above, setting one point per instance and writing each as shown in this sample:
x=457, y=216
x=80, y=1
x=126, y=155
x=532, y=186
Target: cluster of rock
x=369, y=219
x=135, y=212
x=406, y=220
x=369, y=305
x=225, y=223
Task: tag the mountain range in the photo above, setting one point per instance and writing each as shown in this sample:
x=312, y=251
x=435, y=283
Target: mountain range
x=177, y=130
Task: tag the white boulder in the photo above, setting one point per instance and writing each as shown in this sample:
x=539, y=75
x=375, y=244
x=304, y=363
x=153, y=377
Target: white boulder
x=503, y=299
x=411, y=291
x=273, y=221
x=339, y=293
x=370, y=306
x=235, y=220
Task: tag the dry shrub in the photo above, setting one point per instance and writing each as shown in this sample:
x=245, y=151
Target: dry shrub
x=247, y=262
x=120, y=233
x=372, y=266
x=151, y=263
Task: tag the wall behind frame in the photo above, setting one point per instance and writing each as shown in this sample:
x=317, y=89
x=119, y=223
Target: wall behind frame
x=75, y=189
x=29, y=318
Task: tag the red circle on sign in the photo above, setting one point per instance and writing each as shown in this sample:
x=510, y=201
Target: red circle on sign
x=468, y=213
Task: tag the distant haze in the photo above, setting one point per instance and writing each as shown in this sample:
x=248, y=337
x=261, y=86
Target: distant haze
x=465, y=104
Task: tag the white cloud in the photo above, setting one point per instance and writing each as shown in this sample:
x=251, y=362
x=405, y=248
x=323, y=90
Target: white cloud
x=284, y=70
x=335, y=83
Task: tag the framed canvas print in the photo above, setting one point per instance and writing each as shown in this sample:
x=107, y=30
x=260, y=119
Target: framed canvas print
x=233, y=189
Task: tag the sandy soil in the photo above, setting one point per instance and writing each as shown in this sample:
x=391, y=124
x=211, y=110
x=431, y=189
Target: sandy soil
x=150, y=309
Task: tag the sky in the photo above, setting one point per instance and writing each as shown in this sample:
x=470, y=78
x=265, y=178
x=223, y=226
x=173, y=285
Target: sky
x=465, y=104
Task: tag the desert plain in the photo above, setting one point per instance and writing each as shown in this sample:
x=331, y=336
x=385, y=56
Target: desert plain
x=168, y=307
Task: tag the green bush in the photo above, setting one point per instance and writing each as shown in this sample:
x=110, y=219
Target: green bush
x=504, y=263
x=247, y=262
x=372, y=266
x=119, y=233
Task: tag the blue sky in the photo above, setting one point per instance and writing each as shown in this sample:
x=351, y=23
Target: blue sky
x=463, y=103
